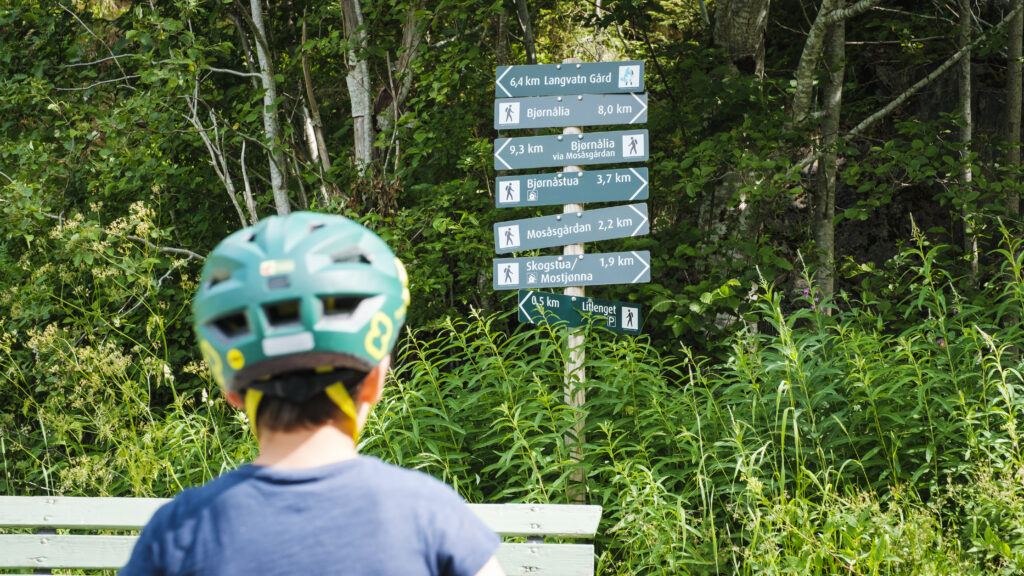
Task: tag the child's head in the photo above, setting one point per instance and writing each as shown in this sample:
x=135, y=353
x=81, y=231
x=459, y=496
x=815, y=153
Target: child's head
x=293, y=313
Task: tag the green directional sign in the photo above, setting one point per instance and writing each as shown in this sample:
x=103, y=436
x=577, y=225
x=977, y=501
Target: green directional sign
x=570, y=149
x=579, y=110
x=571, y=228
x=579, y=270
x=626, y=184
x=573, y=311
x=561, y=79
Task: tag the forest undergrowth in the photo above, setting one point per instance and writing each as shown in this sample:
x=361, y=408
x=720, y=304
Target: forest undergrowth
x=841, y=437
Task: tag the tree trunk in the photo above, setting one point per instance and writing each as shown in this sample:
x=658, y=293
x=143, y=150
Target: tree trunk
x=830, y=13
x=527, y=28
x=502, y=41
x=825, y=192
x=358, y=81
x=271, y=127
x=1013, y=107
x=314, y=127
x=966, y=136
x=392, y=96
x=739, y=29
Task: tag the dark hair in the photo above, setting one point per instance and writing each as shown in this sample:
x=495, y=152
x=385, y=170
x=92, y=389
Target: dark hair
x=297, y=401
x=283, y=415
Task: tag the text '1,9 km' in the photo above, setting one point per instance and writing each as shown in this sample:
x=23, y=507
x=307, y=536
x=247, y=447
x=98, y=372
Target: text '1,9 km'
x=581, y=270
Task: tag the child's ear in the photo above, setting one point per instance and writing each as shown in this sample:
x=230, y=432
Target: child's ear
x=235, y=399
x=373, y=385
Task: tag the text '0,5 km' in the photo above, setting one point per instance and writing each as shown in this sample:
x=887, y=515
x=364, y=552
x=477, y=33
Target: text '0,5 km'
x=573, y=311
x=571, y=228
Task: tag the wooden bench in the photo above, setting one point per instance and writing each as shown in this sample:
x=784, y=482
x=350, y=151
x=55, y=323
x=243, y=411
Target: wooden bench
x=47, y=549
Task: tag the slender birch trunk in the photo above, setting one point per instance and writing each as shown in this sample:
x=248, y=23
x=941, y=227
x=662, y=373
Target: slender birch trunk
x=966, y=135
x=825, y=196
x=358, y=81
x=1014, y=79
x=271, y=126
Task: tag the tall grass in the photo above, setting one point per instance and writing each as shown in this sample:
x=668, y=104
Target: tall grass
x=852, y=437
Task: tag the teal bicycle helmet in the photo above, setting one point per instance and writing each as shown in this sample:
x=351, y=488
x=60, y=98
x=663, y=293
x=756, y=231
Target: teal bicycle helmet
x=305, y=294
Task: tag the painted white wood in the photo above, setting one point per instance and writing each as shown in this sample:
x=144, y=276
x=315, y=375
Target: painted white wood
x=53, y=551
x=35, y=551
x=72, y=512
x=567, y=520
x=133, y=513
x=29, y=551
x=547, y=559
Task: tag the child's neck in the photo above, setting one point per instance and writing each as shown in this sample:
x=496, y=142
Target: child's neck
x=305, y=448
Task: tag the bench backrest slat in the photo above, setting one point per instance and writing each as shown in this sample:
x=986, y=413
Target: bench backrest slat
x=96, y=552
x=133, y=513
x=76, y=512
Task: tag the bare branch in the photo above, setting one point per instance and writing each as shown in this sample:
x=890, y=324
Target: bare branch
x=870, y=120
x=101, y=60
x=95, y=84
x=850, y=12
x=885, y=111
x=235, y=72
x=166, y=249
x=89, y=30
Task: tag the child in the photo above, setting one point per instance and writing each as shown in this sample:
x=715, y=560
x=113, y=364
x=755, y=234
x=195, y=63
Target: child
x=296, y=318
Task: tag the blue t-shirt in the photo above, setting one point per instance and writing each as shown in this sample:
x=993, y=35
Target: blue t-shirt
x=356, y=517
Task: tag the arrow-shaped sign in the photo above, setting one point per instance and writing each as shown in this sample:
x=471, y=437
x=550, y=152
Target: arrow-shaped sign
x=583, y=187
x=572, y=311
x=571, y=228
x=561, y=79
x=579, y=270
x=571, y=149
x=580, y=110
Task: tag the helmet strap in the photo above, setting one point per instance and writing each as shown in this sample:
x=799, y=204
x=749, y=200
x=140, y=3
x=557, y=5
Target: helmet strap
x=337, y=393
x=252, y=404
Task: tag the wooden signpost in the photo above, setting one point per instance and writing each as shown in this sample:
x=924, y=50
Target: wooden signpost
x=571, y=95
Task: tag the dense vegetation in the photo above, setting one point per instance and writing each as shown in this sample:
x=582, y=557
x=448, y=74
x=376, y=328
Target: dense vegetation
x=831, y=376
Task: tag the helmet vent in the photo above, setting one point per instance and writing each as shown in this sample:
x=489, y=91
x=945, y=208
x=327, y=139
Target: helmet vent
x=352, y=255
x=233, y=325
x=278, y=282
x=218, y=276
x=316, y=226
x=340, y=305
x=282, y=313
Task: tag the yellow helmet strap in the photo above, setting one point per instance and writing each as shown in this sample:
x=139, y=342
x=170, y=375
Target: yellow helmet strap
x=252, y=404
x=337, y=393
